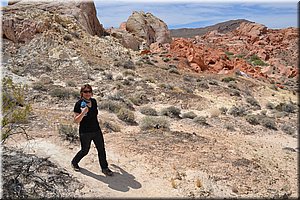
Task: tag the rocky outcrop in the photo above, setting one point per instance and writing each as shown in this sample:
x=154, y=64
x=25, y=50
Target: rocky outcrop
x=20, y=27
x=148, y=27
x=252, y=49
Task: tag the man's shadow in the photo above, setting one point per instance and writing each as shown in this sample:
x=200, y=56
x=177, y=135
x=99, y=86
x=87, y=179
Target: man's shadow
x=119, y=181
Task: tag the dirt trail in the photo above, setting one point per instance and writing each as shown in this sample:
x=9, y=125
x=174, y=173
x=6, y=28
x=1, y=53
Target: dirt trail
x=131, y=177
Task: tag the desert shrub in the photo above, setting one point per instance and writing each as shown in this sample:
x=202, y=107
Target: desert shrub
x=63, y=93
x=228, y=79
x=234, y=92
x=148, y=111
x=68, y=37
x=126, y=115
x=237, y=111
x=117, y=96
x=223, y=110
x=111, y=126
x=128, y=72
x=71, y=84
x=174, y=71
x=188, y=78
x=126, y=82
x=286, y=107
x=149, y=122
x=108, y=75
x=190, y=115
x=255, y=60
x=288, y=129
x=148, y=79
x=213, y=82
x=252, y=119
x=68, y=132
x=139, y=99
x=270, y=106
x=268, y=123
x=200, y=120
x=252, y=101
x=119, y=77
x=166, y=59
x=129, y=65
x=166, y=86
x=203, y=84
x=130, y=78
x=214, y=112
x=229, y=127
x=15, y=109
x=110, y=106
x=39, y=86
x=233, y=86
x=171, y=111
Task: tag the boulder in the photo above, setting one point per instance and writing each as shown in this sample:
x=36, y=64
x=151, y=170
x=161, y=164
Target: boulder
x=148, y=27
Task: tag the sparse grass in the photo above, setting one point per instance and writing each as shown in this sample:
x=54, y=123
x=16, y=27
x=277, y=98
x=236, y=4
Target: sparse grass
x=171, y=111
x=190, y=115
x=148, y=111
x=150, y=122
x=126, y=115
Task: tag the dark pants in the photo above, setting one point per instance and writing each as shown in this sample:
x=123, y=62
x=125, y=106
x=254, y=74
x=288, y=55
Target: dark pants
x=85, y=140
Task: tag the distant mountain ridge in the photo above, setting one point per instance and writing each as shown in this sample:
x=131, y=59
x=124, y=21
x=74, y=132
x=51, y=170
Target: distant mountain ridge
x=222, y=27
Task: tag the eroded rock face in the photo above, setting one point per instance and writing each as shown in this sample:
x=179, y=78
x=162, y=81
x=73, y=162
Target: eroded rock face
x=20, y=27
x=148, y=27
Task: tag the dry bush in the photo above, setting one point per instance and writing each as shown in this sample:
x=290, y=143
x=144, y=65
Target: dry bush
x=253, y=119
x=150, y=122
x=200, y=120
x=171, y=111
x=215, y=112
x=288, y=129
x=110, y=106
x=268, y=123
x=190, y=115
x=237, y=111
x=148, y=111
x=252, y=101
x=68, y=132
x=126, y=115
x=111, y=126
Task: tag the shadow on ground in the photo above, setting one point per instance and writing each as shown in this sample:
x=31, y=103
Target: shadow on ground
x=121, y=180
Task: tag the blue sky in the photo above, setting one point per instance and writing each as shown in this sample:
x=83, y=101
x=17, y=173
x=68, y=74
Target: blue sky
x=195, y=14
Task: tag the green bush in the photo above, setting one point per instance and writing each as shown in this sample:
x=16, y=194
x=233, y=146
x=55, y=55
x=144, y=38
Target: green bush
x=171, y=111
x=68, y=132
x=190, y=115
x=255, y=60
x=15, y=110
x=148, y=111
x=126, y=115
x=149, y=122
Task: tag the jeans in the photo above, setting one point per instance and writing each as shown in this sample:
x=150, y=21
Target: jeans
x=85, y=140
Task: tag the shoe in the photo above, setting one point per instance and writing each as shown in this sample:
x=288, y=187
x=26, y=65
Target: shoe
x=107, y=172
x=75, y=167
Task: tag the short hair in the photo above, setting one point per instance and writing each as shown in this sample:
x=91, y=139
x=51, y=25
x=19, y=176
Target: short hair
x=86, y=86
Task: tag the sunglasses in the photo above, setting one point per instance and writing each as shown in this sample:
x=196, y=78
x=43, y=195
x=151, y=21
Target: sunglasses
x=87, y=91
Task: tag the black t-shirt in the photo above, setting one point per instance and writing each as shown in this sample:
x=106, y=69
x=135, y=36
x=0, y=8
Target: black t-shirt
x=89, y=123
